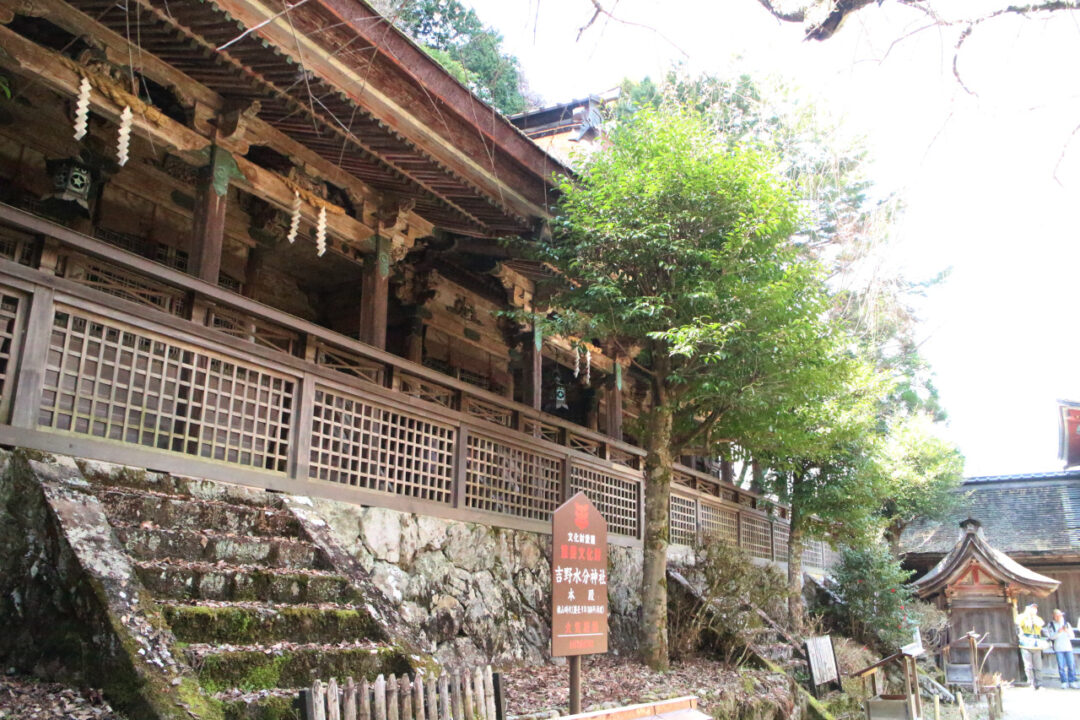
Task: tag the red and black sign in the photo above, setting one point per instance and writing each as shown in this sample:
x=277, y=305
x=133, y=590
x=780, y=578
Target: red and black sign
x=579, y=602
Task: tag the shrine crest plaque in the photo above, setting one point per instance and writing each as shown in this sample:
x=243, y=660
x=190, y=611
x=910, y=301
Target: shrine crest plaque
x=579, y=601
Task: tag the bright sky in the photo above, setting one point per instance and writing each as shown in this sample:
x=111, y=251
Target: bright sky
x=977, y=173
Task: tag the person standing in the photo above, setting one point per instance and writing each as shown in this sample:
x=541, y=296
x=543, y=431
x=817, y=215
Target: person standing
x=1029, y=627
x=1061, y=634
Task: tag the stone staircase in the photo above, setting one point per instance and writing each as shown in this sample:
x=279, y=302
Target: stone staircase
x=256, y=605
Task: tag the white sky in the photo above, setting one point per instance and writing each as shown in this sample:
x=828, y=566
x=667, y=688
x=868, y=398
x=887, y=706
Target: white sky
x=976, y=173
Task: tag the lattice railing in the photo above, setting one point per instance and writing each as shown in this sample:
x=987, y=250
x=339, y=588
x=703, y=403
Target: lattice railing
x=254, y=330
x=423, y=389
x=488, y=412
x=814, y=554
x=107, y=380
x=122, y=283
x=359, y=443
x=617, y=497
x=683, y=519
x=781, y=532
x=10, y=306
x=348, y=363
x=720, y=522
x=755, y=536
x=588, y=445
x=506, y=479
x=540, y=429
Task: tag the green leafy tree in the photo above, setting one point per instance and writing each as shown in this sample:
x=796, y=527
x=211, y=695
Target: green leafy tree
x=675, y=248
x=472, y=52
x=923, y=472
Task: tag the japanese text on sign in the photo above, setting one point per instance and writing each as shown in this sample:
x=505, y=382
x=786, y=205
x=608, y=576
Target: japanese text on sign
x=579, y=608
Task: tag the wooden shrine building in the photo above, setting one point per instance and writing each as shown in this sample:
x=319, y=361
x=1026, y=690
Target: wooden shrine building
x=978, y=586
x=264, y=247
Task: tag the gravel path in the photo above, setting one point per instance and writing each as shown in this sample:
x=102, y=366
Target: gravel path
x=1023, y=703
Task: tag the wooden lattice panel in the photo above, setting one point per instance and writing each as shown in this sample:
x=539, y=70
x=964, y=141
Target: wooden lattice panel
x=253, y=330
x=505, y=479
x=756, y=539
x=488, y=412
x=616, y=497
x=9, y=324
x=780, y=540
x=814, y=554
x=109, y=381
x=720, y=522
x=623, y=457
x=682, y=517
x=425, y=390
x=348, y=363
x=584, y=444
x=358, y=443
x=540, y=429
x=126, y=284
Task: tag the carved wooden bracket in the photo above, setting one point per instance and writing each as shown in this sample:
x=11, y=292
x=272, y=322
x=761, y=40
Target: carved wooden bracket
x=400, y=225
x=519, y=289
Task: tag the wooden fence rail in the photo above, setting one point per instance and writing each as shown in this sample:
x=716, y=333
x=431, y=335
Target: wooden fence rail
x=475, y=694
x=109, y=355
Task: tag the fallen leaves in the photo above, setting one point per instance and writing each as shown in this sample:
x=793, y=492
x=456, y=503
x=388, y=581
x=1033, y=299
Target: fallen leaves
x=29, y=699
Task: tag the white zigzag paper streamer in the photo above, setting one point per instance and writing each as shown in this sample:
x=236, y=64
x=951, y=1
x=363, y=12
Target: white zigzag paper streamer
x=82, y=110
x=294, y=223
x=320, y=232
x=577, y=361
x=123, y=139
x=588, y=366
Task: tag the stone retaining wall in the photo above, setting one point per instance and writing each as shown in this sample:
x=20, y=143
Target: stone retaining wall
x=472, y=593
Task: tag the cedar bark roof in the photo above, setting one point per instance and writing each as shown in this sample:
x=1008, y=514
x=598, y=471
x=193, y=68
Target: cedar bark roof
x=336, y=77
x=1031, y=515
x=972, y=548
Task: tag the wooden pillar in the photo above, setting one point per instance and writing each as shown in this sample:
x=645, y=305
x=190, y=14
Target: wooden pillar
x=613, y=393
x=375, y=296
x=414, y=345
x=534, y=363
x=208, y=228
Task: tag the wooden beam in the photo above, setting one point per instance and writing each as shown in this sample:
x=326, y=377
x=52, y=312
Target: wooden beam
x=208, y=228
x=533, y=368
x=613, y=394
x=376, y=292
x=275, y=27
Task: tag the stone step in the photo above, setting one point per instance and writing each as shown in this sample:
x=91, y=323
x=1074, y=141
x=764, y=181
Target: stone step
x=152, y=542
x=182, y=580
x=134, y=507
x=285, y=665
x=107, y=475
x=273, y=704
x=251, y=622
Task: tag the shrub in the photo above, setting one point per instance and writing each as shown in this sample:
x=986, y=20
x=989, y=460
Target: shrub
x=877, y=606
x=731, y=586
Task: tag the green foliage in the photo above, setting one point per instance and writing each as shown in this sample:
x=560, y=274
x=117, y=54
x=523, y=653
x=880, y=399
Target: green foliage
x=677, y=244
x=454, y=35
x=5, y=87
x=923, y=472
x=878, y=607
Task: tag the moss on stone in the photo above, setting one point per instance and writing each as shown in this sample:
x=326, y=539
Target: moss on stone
x=255, y=670
x=244, y=626
x=274, y=707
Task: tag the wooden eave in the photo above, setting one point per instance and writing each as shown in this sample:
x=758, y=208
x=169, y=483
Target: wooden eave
x=337, y=120
x=973, y=548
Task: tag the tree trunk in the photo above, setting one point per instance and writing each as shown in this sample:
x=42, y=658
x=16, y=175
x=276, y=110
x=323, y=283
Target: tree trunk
x=658, y=465
x=795, y=571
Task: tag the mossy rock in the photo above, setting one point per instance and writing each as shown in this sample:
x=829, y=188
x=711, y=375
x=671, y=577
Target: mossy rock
x=251, y=670
x=212, y=583
x=246, y=625
x=274, y=707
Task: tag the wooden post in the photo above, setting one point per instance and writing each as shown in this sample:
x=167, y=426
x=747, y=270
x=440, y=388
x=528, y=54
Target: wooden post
x=365, y=700
x=318, y=700
x=333, y=700
x=405, y=689
x=470, y=709
x=392, y=698
x=432, y=700
x=533, y=368
x=418, y=699
x=489, y=693
x=937, y=708
x=414, y=344
x=613, y=396
x=349, y=706
x=575, y=684
x=208, y=227
x=34, y=354
x=455, y=691
x=444, y=698
x=500, y=695
x=375, y=297
x=478, y=694
x=380, y=698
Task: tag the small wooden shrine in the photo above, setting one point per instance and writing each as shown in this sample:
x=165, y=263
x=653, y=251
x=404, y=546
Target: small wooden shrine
x=978, y=585
x=880, y=704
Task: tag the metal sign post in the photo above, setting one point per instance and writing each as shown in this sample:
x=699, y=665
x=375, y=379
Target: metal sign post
x=579, y=606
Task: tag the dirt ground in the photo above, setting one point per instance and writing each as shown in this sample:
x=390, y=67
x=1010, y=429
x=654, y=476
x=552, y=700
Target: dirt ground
x=1023, y=703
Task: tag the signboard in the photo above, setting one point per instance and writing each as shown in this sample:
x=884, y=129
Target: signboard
x=822, y=660
x=579, y=602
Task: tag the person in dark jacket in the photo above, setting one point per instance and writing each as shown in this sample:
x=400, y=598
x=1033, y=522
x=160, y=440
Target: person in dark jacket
x=1061, y=634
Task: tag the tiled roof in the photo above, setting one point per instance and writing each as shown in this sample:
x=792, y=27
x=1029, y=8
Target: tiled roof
x=1019, y=514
